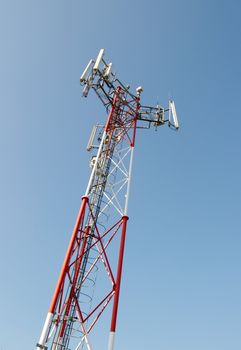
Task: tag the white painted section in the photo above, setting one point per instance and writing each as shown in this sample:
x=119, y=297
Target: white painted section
x=51, y=331
x=95, y=165
x=44, y=334
x=80, y=343
x=58, y=345
x=129, y=181
x=111, y=341
x=87, y=340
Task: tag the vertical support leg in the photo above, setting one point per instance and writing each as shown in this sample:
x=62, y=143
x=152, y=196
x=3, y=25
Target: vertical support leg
x=45, y=331
x=117, y=286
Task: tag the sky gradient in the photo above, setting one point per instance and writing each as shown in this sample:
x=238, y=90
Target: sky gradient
x=181, y=280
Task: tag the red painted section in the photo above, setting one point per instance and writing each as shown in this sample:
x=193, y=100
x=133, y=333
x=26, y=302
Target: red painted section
x=112, y=109
x=74, y=282
x=135, y=122
x=106, y=262
x=118, y=275
x=68, y=255
x=134, y=133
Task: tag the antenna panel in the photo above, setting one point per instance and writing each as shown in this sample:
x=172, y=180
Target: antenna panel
x=91, y=144
x=84, y=74
x=98, y=60
x=173, y=114
x=108, y=70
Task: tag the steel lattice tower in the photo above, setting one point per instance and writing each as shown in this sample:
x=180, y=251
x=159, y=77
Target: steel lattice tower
x=102, y=219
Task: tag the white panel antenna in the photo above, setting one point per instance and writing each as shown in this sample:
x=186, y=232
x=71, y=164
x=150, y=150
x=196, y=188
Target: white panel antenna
x=90, y=144
x=173, y=114
x=85, y=72
x=98, y=60
x=86, y=90
x=108, y=70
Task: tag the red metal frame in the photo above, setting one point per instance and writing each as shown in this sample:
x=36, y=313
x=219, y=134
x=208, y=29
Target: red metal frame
x=90, y=241
x=123, y=116
x=79, y=245
x=116, y=287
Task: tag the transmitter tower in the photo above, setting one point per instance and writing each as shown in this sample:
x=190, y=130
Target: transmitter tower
x=90, y=277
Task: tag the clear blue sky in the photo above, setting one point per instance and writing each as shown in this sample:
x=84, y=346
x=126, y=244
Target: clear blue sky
x=181, y=284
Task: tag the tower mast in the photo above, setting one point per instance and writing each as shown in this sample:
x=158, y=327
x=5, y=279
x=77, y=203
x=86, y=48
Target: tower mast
x=79, y=301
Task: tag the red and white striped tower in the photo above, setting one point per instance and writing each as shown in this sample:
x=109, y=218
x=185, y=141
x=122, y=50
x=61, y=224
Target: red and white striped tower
x=80, y=296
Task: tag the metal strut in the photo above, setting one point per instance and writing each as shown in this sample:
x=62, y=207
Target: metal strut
x=70, y=320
